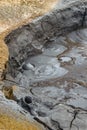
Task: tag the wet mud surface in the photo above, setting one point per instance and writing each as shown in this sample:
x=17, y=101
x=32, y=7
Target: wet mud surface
x=56, y=81
x=52, y=83
x=64, y=57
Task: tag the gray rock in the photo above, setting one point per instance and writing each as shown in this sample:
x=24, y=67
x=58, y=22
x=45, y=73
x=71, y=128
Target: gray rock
x=28, y=66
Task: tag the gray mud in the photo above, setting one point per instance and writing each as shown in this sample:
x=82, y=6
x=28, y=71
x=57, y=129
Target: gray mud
x=54, y=51
x=58, y=83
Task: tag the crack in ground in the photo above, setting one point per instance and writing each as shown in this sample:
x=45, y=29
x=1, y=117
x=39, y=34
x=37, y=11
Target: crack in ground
x=43, y=123
x=84, y=16
x=75, y=115
x=57, y=124
x=75, y=108
x=31, y=91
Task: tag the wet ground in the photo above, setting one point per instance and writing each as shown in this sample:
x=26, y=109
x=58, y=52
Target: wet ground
x=58, y=83
x=55, y=80
x=65, y=57
x=13, y=15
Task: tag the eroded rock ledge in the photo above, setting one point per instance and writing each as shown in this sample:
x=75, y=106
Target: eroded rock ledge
x=30, y=39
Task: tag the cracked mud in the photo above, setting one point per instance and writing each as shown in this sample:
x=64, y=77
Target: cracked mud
x=49, y=64
x=58, y=84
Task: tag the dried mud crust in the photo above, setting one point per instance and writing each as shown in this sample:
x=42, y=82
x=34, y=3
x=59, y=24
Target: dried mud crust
x=13, y=12
x=4, y=56
x=7, y=122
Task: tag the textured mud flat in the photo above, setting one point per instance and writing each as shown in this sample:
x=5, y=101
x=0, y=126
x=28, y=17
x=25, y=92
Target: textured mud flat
x=57, y=84
x=46, y=65
x=51, y=68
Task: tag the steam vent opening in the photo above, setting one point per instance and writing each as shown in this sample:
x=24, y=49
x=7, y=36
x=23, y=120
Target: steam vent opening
x=43, y=68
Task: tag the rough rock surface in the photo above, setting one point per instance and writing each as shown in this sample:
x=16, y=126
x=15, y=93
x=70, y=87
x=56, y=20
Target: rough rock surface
x=57, y=84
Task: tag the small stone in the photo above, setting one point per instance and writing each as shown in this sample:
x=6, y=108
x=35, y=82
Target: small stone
x=65, y=59
x=28, y=67
x=8, y=92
